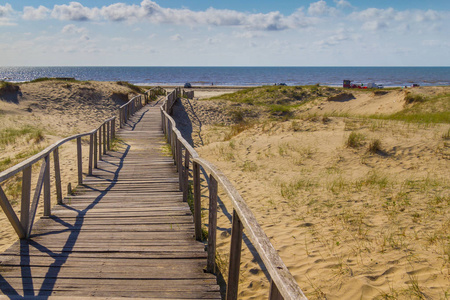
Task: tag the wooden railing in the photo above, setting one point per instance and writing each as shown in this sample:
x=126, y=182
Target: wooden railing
x=283, y=284
x=100, y=140
x=136, y=103
x=188, y=94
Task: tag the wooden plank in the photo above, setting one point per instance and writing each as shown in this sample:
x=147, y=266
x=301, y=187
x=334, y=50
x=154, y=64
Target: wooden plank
x=47, y=191
x=37, y=194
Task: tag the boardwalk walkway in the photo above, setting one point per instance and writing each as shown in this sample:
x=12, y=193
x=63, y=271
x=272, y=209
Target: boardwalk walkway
x=126, y=232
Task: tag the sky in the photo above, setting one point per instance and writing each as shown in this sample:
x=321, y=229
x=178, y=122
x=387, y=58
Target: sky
x=225, y=33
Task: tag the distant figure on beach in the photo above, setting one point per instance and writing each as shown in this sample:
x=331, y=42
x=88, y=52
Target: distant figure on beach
x=212, y=83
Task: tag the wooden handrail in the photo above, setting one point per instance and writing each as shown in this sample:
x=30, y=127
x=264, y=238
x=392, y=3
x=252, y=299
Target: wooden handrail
x=128, y=109
x=24, y=225
x=283, y=284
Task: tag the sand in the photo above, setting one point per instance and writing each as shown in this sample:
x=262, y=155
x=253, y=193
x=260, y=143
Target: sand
x=55, y=109
x=348, y=223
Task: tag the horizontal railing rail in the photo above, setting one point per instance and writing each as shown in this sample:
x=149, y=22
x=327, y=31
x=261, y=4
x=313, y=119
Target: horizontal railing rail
x=283, y=284
x=100, y=140
x=137, y=102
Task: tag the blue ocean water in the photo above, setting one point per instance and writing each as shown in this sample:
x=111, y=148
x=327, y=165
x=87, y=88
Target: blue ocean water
x=242, y=76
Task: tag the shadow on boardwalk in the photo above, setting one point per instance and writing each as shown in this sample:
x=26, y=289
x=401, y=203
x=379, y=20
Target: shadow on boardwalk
x=59, y=257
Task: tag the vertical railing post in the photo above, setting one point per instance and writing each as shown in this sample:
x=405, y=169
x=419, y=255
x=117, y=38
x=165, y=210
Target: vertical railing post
x=197, y=201
x=57, y=176
x=212, y=225
x=186, y=175
x=104, y=138
x=274, y=292
x=120, y=117
x=79, y=161
x=91, y=153
x=100, y=143
x=47, y=200
x=180, y=163
x=25, y=203
x=113, y=132
x=108, y=134
x=95, y=149
x=235, y=258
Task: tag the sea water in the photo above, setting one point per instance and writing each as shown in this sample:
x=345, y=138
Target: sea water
x=239, y=76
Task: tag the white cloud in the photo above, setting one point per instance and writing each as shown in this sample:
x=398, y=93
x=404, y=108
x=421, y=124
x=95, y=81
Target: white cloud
x=343, y=4
x=150, y=11
x=5, y=10
x=73, y=29
x=31, y=13
x=321, y=8
x=176, y=37
x=75, y=11
x=5, y=13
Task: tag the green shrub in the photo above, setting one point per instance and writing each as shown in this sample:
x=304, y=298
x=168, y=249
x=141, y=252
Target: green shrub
x=355, y=140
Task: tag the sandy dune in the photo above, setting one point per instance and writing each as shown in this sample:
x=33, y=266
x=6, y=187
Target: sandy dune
x=348, y=223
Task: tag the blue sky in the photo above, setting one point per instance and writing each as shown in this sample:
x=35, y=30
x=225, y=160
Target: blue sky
x=225, y=33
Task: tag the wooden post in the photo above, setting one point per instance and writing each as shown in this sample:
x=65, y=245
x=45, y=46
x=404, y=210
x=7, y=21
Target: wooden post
x=25, y=204
x=108, y=134
x=79, y=161
x=212, y=225
x=197, y=201
x=100, y=143
x=121, y=117
x=37, y=194
x=186, y=175
x=180, y=163
x=91, y=153
x=12, y=217
x=235, y=257
x=57, y=176
x=104, y=138
x=47, y=200
x=274, y=292
x=113, y=131
x=95, y=149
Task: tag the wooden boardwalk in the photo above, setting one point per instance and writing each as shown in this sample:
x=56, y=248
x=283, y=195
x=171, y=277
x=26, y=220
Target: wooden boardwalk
x=126, y=232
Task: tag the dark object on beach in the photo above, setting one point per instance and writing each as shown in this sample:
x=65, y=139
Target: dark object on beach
x=415, y=85
x=187, y=85
x=282, y=83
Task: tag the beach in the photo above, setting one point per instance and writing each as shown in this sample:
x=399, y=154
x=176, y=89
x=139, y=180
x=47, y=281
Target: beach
x=348, y=220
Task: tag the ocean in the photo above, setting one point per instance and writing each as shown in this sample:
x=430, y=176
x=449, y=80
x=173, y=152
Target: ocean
x=239, y=76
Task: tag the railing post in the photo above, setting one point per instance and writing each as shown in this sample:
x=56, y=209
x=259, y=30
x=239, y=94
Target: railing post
x=121, y=117
x=274, y=292
x=180, y=163
x=47, y=200
x=197, y=201
x=212, y=225
x=79, y=161
x=104, y=138
x=186, y=175
x=100, y=143
x=91, y=153
x=113, y=132
x=25, y=204
x=235, y=258
x=108, y=134
x=95, y=149
x=11, y=215
x=57, y=176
